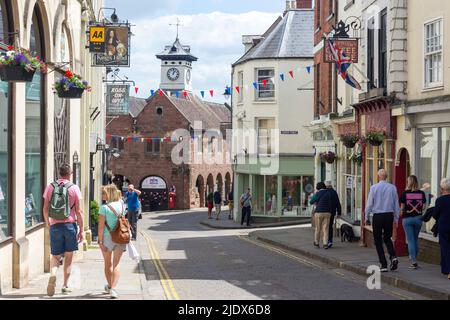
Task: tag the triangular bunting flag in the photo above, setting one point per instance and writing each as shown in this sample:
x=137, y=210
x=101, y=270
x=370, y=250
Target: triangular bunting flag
x=238, y=90
x=161, y=93
x=265, y=83
x=142, y=140
x=255, y=85
x=149, y=140
x=136, y=89
x=185, y=94
x=202, y=93
x=292, y=74
x=308, y=69
x=282, y=76
x=152, y=92
x=211, y=92
x=177, y=93
x=129, y=139
x=228, y=90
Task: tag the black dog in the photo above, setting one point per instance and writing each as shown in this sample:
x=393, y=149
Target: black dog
x=347, y=233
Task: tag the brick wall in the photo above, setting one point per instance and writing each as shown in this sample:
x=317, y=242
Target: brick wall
x=324, y=98
x=136, y=164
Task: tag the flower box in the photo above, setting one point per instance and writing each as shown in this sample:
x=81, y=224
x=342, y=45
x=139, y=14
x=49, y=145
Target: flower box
x=375, y=137
x=71, y=86
x=16, y=74
x=19, y=65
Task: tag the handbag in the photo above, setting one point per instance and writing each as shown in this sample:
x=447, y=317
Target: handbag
x=132, y=252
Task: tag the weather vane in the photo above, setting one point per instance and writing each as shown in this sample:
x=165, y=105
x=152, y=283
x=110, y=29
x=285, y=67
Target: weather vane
x=178, y=24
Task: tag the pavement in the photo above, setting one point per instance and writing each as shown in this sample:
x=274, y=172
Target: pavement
x=427, y=281
x=88, y=280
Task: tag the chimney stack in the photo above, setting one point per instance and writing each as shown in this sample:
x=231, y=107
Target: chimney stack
x=298, y=4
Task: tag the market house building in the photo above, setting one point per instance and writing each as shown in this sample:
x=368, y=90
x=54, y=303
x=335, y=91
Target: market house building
x=39, y=131
x=272, y=150
x=145, y=140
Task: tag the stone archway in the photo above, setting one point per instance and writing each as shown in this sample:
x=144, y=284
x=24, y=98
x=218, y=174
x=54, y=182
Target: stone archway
x=210, y=185
x=228, y=185
x=200, y=185
x=219, y=183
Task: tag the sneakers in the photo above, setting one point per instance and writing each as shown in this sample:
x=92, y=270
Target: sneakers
x=414, y=266
x=113, y=293
x=384, y=270
x=394, y=264
x=51, y=286
x=330, y=245
x=107, y=289
x=66, y=290
x=316, y=245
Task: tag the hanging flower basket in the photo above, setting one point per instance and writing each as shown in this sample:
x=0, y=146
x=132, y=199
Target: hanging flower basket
x=71, y=86
x=328, y=157
x=357, y=158
x=18, y=65
x=375, y=137
x=349, y=140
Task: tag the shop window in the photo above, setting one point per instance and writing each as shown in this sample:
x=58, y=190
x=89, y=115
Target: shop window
x=5, y=156
x=428, y=162
x=259, y=195
x=378, y=158
x=34, y=131
x=271, y=195
x=352, y=184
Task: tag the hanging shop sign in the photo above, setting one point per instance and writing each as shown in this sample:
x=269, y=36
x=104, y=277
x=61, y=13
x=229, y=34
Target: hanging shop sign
x=350, y=48
x=97, y=39
x=117, y=47
x=154, y=183
x=117, y=99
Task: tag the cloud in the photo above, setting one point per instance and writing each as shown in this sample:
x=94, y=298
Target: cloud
x=215, y=38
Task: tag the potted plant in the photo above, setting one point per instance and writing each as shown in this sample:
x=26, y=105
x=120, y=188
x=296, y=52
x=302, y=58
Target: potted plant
x=357, y=158
x=349, y=140
x=71, y=86
x=329, y=157
x=19, y=65
x=95, y=213
x=375, y=137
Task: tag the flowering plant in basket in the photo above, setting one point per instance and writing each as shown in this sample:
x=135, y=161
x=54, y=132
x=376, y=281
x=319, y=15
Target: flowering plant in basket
x=329, y=157
x=349, y=140
x=71, y=86
x=20, y=65
x=375, y=137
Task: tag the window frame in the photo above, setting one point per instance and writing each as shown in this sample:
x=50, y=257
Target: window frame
x=153, y=152
x=269, y=137
x=241, y=86
x=261, y=85
x=429, y=85
x=383, y=63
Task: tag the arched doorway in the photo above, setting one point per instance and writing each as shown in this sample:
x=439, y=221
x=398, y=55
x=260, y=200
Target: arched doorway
x=155, y=196
x=209, y=186
x=402, y=172
x=228, y=185
x=219, y=183
x=200, y=185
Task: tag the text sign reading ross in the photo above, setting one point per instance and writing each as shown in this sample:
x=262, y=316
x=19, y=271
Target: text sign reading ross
x=118, y=99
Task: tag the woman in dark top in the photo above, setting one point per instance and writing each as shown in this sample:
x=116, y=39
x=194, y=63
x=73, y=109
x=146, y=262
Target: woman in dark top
x=442, y=216
x=413, y=203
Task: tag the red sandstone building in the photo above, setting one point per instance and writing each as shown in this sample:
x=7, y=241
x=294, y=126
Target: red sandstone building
x=167, y=127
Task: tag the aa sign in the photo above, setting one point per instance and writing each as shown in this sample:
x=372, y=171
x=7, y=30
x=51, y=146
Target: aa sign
x=97, y=36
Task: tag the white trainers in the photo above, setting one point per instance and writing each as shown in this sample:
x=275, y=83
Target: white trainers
x=66, y=290
x=113, y=293
x=107, y=289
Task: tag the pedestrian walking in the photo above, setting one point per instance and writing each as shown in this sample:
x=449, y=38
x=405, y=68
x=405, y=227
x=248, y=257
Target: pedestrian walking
x=413, y=202
x=327, y=205
x=442, y=217
x=210, y=201
x=383, y=204
x=218, y=203
x=336, y=212
x=230, y=205
x=246, y=205
x=320, y=186
x=111, y=251
x=132, y=200
x=63, y=215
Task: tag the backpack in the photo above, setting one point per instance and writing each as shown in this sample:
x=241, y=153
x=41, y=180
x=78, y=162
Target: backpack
x=122, y=233
x=59, y=206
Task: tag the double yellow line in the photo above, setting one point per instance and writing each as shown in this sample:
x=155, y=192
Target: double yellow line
x=166, y=282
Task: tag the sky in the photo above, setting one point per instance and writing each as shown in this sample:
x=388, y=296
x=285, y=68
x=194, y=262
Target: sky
x=213, y=29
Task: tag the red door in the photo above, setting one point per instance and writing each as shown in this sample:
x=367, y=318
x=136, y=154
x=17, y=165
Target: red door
x=402, y=172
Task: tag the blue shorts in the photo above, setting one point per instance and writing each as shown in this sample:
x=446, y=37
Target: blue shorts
x=63, y=238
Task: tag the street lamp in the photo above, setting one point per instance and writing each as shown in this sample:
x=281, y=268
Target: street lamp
x=114, y=17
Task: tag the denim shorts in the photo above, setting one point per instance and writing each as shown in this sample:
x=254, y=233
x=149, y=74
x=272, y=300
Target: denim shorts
x=63, y=238
x=111, y=246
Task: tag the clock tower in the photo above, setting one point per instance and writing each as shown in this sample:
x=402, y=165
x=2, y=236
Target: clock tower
x=176, y=67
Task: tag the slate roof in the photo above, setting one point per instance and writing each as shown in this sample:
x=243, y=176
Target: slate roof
x=291, y=37
x=136, y=106
x=177, y=52
x=212, y=115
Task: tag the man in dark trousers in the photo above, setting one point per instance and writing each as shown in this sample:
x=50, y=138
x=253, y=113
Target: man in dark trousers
x=132, y=200
x=218, y=203
x=336, y=208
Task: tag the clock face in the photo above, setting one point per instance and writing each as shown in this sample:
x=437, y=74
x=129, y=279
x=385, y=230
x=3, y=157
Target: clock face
x=188, y=76
x=173, y=74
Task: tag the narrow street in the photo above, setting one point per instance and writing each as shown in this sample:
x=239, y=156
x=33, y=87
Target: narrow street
x=197, y=263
